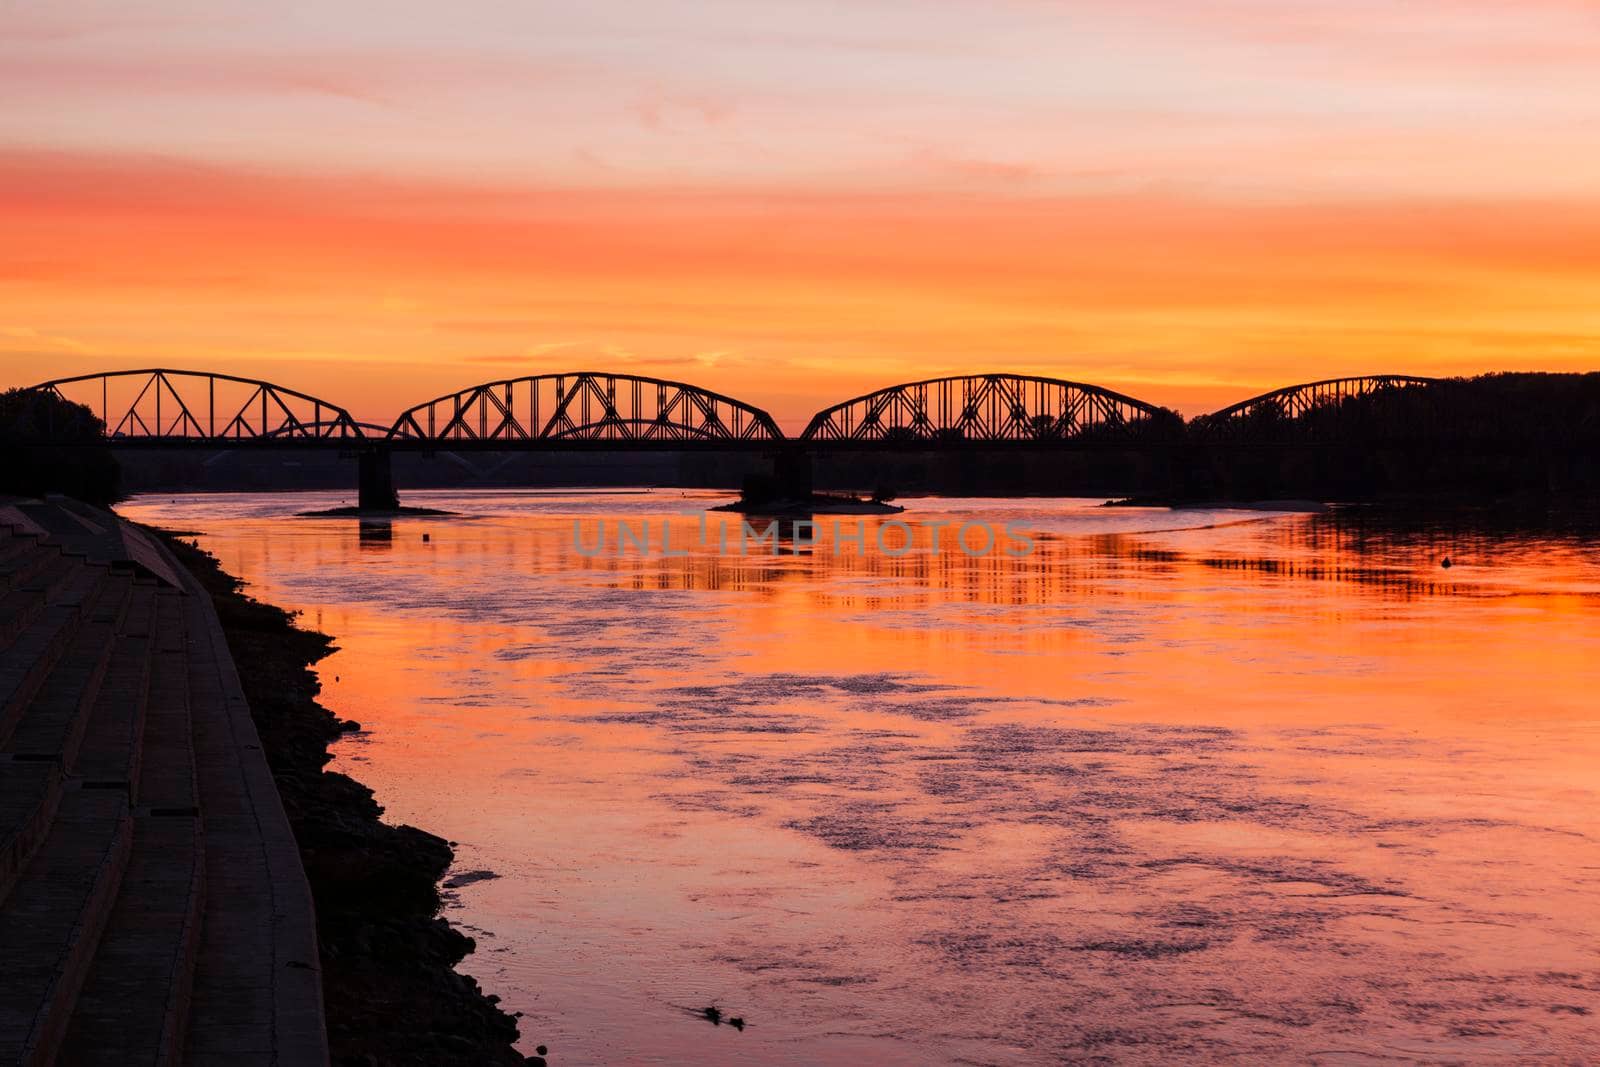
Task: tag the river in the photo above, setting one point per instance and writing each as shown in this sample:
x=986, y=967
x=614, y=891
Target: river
x=1167, y=786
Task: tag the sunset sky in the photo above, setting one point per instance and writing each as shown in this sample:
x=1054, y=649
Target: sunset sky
x=797, y=202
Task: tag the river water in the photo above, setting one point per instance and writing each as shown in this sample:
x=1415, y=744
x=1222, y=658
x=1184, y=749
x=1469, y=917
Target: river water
x=1172, y=786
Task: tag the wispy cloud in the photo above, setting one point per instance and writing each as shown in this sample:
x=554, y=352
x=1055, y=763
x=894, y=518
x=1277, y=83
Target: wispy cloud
x=796, y=201
x=787, y=290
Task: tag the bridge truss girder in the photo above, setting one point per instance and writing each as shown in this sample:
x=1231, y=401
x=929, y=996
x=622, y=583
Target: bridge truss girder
x=983, y=408
x=585, y=406
x=161, y=404
x=1310, y=409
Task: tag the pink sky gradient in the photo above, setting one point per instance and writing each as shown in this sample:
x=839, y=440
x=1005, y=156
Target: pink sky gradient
x=793, y=202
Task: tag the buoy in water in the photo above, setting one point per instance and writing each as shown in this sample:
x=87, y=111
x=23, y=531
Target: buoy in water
x=1445, y=563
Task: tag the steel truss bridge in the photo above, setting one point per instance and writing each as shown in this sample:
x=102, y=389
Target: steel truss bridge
x=985, y=409
x=584, y=407
x=1330, y=410
x=591, y=409
x=184, y=406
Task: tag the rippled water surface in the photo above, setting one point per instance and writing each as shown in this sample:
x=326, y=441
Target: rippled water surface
x=1175, y=786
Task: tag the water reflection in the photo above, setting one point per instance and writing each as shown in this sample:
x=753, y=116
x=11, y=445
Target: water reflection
x=1212, y=787
x=375, y=533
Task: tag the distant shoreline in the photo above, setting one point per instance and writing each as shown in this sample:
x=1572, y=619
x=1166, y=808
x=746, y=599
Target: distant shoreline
x=350, y=511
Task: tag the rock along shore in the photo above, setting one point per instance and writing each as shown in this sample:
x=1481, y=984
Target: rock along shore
x=390, y=989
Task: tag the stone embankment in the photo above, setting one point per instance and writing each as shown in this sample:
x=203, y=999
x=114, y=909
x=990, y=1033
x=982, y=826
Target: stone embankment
x=169, y=839
x=153, y=908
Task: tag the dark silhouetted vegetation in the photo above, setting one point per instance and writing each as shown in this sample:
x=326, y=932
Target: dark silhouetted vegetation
x=75, y=463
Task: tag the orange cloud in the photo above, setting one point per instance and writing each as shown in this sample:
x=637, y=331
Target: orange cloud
x=378, y=292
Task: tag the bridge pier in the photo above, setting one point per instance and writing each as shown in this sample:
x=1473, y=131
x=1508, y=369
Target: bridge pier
x=375, y=489
x=792, y=472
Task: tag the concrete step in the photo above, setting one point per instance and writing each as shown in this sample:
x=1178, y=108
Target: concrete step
x=58, y=519
x=50, y=923
x=82, y=586
x=14, y=543
x=139, y=620
x=111, y=755
x=52, y=726
x=116, y=591
x=15, y=548
x=24, y=567
x=28, y=661
x=29, y=793
x=134, y=1006
x=258, y=994
x=18, y=609
x=171, y=621
x=167, y=770
x=52, y=572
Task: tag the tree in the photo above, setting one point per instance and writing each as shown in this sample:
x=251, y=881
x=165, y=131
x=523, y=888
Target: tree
x=48, y=444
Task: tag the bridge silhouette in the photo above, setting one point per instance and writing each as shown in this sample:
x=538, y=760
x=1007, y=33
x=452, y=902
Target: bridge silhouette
x=188, y=407
x=584, y=407
x=576, y=410
x=986, y=408
x=1307, y=411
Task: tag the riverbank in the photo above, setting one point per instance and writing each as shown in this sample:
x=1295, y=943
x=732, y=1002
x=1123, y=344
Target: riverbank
x=390, y=989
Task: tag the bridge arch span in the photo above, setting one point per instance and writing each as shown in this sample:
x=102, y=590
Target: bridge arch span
x=1310, y=408
x=987, y=408
x=581, y=406
x=164, y=404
